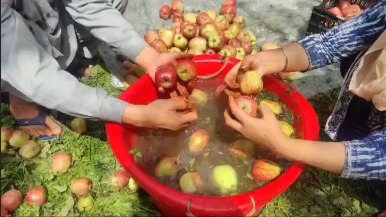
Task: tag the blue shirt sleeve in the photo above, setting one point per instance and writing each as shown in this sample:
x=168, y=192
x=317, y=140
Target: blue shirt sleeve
x=346, y=39
x=366, y=158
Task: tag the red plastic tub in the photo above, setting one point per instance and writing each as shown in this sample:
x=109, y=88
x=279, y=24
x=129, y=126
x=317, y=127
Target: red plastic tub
x=175, y=203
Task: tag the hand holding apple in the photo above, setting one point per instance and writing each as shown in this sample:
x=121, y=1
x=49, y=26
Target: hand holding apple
x=263, y=130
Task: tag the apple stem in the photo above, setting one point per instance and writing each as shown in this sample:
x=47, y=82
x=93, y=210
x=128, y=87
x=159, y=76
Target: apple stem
x=225, y=62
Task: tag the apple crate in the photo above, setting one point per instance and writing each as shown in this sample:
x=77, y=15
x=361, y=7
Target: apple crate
x=321, y=20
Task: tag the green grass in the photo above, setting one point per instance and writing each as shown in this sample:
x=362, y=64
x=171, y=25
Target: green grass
x=316, y=193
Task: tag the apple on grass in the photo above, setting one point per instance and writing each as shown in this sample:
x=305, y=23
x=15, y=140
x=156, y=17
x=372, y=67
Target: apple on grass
x=165, y=12
x=180, y=41
x=215, y=42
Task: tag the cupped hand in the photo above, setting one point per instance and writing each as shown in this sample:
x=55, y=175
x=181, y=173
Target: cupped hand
x=172, y=114
x=264, y=130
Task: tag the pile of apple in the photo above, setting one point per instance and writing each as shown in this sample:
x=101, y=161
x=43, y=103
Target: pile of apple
x=61, y=163
x=345, y=10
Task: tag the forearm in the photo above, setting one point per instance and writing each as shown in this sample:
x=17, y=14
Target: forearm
x=329, y=156
x=274, y=61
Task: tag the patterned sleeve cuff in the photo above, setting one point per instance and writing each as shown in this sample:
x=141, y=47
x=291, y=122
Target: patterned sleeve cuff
x=314, y=50
x=365, y=159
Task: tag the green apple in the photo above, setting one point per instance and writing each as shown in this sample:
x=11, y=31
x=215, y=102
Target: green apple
x=208, y=30
x=240, y=53
x=4, y=147
x=190, y=17
x=29, y=150
x=167, y=36
x=215, y=42
x=18, y=139
x=180, y=41
x=198, y=43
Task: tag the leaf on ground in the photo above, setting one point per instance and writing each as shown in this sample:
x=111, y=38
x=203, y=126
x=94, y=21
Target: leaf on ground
x=45, y=149
x=69, y=204
x=60, y=188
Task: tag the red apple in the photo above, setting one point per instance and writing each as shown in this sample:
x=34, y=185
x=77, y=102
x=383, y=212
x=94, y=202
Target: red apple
x=229, y=10
x=177, y=26
x=236, y=43
x=177, y=6
x=80, y=186
x=198, y=142
x=239, y=20
x=228, y=51
x=167, y=36
x=190, y=17
x=226, y=35
x=37, y=195
x=203, y=18
x=247, y=104
x=265, y=170
x=11, y=200
x=215, y=42
x=198, y=43
x=221, y=22
x=165, y=12
x=180, y=41
x=251, y=83
x=177, y=16
x=247, y=46
x=159, y=46
x=150, y=37
x=61, y=162
x=186, y=70
x=208, y=30
x=120, y=179
x=189, y=30
x=351, y=11
x=4, y=212
x=212, y=14
x=210, y=51
x=165, y=78
x=167, y=166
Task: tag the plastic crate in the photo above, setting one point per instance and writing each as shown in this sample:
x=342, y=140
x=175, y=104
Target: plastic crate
x=321, y=20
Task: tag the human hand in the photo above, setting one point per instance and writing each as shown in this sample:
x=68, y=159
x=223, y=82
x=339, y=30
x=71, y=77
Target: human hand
x=264, y=130
x=172, y=114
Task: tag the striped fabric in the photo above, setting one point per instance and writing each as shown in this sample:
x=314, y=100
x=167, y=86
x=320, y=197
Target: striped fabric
x=364, y=158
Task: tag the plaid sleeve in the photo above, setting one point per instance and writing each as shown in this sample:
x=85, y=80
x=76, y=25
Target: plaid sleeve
x=346, y=39
x=366, y=158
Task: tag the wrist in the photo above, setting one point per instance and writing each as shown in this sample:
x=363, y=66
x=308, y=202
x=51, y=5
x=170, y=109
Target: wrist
x=134, y=115
x=146, y=58
x=272, y=61
x=282, y=145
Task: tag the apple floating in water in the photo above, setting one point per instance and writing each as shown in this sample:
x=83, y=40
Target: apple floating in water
x=225, y=179
x=190, y=183
x=167, y=166
x=198, y=142
x=286, y=128
x=198, y=98
x=265, y=170
x=273, y=105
